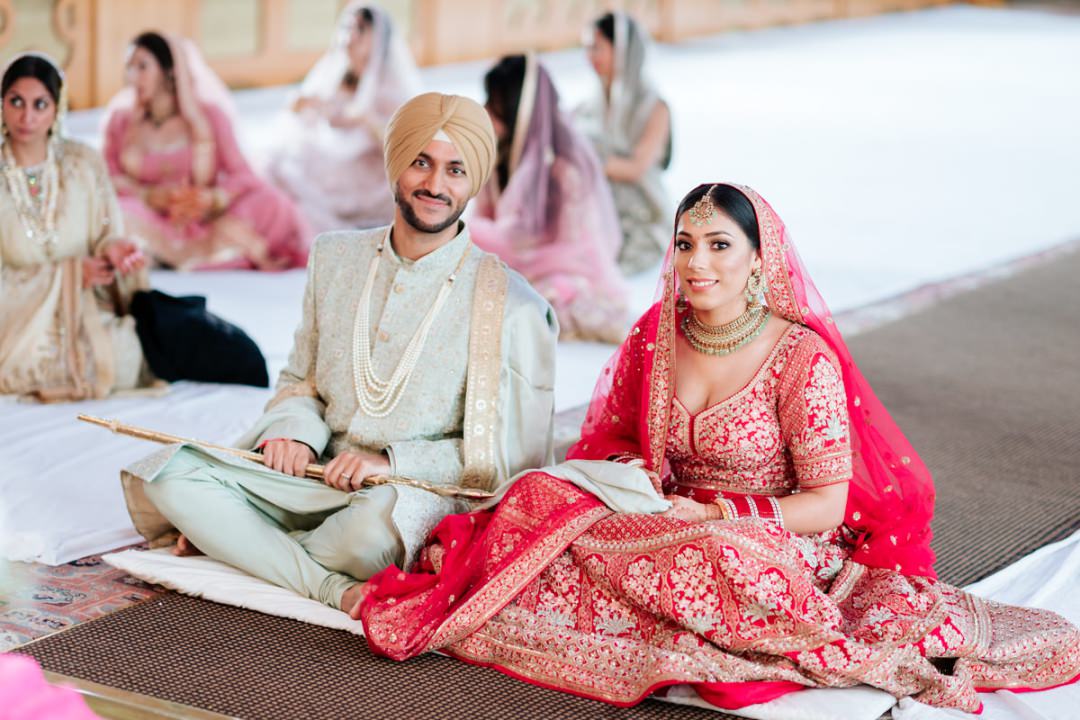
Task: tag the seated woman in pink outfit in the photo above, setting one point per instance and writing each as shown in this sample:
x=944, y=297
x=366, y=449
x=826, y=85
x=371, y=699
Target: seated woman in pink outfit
x=547, y=209
x=741, y=515
x=183, y=182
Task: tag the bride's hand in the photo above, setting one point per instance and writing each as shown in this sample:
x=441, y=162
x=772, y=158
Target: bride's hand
x=683, y=508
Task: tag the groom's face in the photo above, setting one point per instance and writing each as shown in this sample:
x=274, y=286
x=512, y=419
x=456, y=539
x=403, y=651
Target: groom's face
x=432, y=192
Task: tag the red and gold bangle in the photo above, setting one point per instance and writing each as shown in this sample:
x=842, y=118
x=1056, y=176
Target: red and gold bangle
x=764, y=507
x=725, y=508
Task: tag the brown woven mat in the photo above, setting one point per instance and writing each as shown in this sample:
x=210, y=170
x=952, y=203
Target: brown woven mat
x=243, y=663
x=986, y=385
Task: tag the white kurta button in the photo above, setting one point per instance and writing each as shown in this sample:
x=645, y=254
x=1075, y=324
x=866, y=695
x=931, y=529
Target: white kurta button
x=383, y=336
x=399, y=288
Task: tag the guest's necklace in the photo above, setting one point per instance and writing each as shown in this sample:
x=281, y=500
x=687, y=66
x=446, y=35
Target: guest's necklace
x=36, y=192
x=729, y=337
x=375, y=396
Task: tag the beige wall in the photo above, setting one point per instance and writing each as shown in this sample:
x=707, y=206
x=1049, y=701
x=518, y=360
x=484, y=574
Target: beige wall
x=267, y=42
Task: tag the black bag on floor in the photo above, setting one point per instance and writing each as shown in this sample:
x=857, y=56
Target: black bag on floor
x=181, y=340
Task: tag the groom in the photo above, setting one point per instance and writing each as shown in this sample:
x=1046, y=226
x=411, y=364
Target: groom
x=418, y=355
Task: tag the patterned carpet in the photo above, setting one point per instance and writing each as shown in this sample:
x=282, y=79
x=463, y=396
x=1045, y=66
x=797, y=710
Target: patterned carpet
x=36, y=600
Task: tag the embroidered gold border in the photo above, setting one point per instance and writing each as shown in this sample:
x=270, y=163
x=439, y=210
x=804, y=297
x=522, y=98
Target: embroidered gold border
x=304, y=388
x=482, y=384
x=504, y=587
x=662, y=379
x=779, y=293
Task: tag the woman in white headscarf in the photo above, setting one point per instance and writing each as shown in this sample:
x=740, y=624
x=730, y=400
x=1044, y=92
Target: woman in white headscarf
x=330, y=159
x=630, y=127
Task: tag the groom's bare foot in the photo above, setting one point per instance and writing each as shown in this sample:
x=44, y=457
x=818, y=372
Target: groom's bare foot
x=184, y=547
x=351, y=599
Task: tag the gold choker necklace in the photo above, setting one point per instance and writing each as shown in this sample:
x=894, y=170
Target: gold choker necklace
x=729, y=337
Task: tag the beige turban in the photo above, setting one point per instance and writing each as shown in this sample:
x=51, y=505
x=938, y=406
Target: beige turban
x=464, y=121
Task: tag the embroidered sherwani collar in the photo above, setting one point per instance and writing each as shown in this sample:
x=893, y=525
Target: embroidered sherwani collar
x=438, y=262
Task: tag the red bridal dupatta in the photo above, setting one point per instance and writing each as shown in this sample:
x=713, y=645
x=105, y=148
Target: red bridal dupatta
x=557, y=589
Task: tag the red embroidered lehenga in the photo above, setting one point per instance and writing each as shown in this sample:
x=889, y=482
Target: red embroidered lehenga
x=555, y=588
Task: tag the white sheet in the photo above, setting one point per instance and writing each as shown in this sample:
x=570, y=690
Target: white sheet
x=1047, y=578
x=888, y=182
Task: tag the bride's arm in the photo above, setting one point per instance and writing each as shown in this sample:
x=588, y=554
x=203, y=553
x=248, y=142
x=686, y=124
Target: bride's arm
x=814, y=510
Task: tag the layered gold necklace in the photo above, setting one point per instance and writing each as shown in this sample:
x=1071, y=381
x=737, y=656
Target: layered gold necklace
x=725, y=339
x=36, y=196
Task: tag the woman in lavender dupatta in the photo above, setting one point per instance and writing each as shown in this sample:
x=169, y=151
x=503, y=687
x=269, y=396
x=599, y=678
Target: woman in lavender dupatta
x=547, y=210
x=330, y=154
x=183, y=182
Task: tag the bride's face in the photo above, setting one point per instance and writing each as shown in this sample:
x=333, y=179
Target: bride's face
x=713, y=262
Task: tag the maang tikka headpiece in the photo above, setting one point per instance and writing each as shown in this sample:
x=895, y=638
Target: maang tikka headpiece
x=704, y=210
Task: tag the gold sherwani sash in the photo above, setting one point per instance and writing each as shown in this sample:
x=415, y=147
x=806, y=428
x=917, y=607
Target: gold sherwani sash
x=482, y=385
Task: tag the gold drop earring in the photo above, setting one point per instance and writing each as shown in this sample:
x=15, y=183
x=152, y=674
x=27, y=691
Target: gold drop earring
x=755, y=287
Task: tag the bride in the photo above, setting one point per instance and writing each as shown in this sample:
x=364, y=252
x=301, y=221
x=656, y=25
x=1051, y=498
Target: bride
x=768, y=529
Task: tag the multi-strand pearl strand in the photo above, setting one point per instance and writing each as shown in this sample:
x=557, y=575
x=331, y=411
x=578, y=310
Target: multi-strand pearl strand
x=37, y=223
x=375, y=396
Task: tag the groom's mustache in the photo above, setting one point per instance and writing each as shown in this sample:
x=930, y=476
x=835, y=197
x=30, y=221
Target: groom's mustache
x=425, y=193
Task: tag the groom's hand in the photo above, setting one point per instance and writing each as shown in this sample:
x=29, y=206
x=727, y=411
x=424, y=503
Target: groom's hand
x=288, y=456
x=347, y=471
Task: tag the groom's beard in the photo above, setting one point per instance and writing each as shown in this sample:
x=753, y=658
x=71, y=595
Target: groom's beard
x=416, y=223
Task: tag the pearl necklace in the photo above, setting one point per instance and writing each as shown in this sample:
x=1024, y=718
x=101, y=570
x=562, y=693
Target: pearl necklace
x=38, y=214
x=375, y=396
x=725, y=339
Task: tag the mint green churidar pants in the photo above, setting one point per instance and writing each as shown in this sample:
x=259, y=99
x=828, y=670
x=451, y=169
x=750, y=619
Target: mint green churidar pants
x=297, y=533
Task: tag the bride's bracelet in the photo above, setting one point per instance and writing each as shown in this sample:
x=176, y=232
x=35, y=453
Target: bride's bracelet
x=749, y=506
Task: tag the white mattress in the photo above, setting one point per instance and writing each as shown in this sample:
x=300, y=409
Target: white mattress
x=887, y=180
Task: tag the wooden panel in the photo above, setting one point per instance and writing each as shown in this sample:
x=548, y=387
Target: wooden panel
x=266, y=42
x=232, y=28
x=117, y=22
x=73, y=22
x=310, y=24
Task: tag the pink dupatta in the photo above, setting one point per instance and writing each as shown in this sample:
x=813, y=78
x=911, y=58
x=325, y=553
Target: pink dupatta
x=891, y=494
x=555, y=221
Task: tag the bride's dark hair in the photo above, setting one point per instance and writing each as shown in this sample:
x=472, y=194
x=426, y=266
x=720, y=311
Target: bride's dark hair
x=729, y=201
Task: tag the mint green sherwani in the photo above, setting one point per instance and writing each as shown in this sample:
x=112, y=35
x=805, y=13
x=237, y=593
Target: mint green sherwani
x=313, y=539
